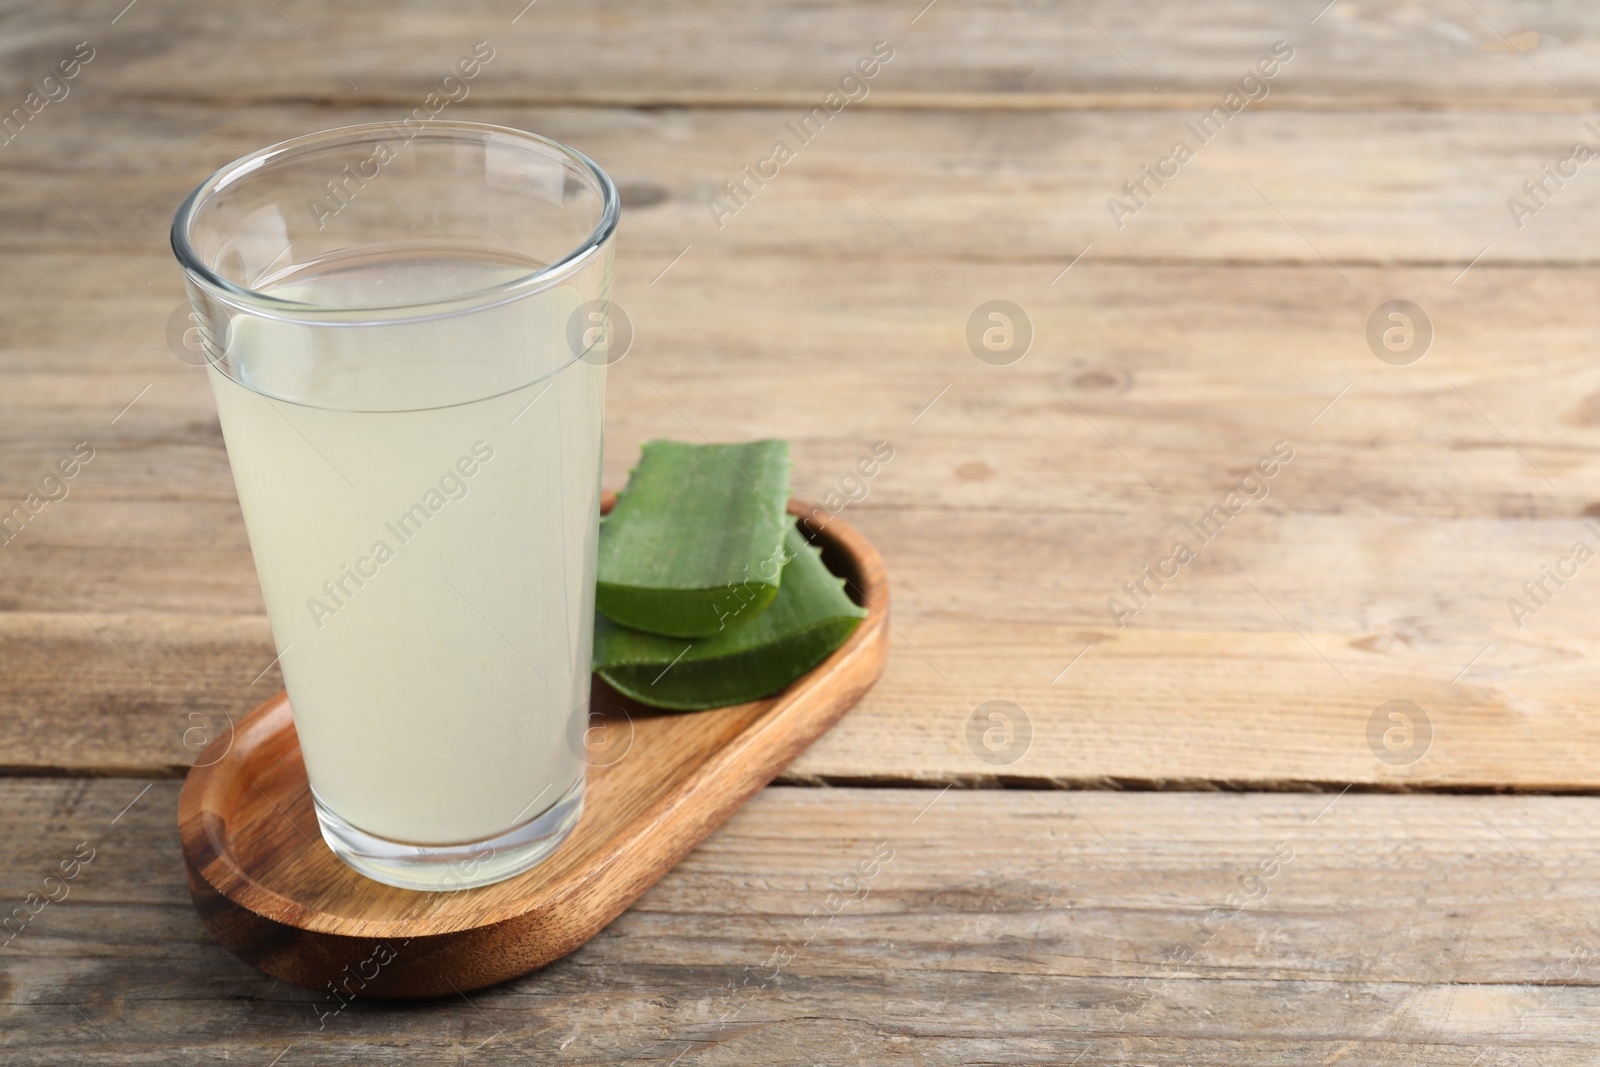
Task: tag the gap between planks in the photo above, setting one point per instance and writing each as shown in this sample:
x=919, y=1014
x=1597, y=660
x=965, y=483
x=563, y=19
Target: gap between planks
x=883, y=100
x=991, y=783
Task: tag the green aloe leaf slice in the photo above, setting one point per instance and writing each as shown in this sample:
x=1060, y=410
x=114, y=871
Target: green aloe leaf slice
x=809, y=618
x=694, y=545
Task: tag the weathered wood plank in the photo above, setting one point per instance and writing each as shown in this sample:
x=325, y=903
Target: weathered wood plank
x=1429, y=54
x=1009, y=926
x=1392, y=541
x=996, y=927
x=966, y=191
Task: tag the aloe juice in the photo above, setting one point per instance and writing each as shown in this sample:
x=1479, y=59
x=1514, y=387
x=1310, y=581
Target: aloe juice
x=422, y=550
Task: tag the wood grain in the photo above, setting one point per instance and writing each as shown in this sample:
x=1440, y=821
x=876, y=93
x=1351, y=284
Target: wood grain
x=272, y=893
x=969, y=191
x=1391, y=542
x=1013, y=926
x=1006, y=927
x=1431, y=54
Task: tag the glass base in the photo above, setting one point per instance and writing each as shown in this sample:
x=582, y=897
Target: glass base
x=445, y=867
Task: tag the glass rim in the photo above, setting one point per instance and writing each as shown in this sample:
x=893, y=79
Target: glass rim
x=267, y=306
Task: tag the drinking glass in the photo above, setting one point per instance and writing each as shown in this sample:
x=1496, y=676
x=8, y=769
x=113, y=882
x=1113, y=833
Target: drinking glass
x=399, y=324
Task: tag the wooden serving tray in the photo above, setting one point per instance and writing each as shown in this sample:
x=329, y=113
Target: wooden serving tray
x=272, y=893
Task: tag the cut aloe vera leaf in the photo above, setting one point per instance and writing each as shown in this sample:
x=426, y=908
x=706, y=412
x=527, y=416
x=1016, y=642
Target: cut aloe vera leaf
x=694, y=545
x=809, y=618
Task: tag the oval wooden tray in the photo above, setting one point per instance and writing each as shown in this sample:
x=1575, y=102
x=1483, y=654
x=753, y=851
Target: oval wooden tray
x=271, y=892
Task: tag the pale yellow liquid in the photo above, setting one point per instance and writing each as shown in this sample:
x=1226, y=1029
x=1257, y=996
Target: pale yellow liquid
x=437, y=700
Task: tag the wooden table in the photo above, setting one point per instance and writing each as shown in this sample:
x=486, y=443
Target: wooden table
x=1211, y=844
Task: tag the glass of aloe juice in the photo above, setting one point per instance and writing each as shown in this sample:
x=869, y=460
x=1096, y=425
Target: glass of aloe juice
x=404, y=330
